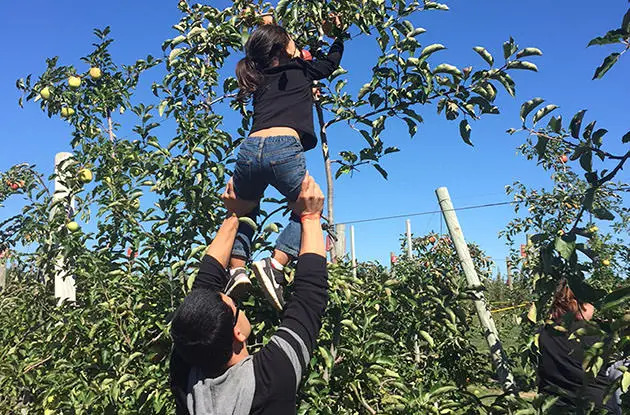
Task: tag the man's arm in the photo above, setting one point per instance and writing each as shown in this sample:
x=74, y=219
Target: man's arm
x=212, y=274
x=297, y=335
x=212, y=271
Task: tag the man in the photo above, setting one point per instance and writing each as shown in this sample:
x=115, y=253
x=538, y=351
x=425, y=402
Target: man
x=211, y=369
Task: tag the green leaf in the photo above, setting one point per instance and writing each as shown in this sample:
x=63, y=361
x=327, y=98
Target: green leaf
x=613, y=36
x=603, y=213
x=528, y=106
x=431, y=49
x=281, y=8
x=597, y=136
x=586, y=160
x=615, y=298
x=417, y=31
x=543, y=112
x=484, y=54
x=625, y=379
x=625, y=23
x=464, y=131
x=509, y=47
x=174, y=54
x=565, y=248
x=367, y=137
x=381, y=170
x=588, y=130
x=413, y=127
x=555, y=123
x=507, y=83
x=589, y=195
x=433, y=5
x=541, y=146
x=522, y=65
x=528, y=52
x=606, y=65
x=576, y=124
x=427, y=337
x=626, y=138
x=364, y=90
x=449, y=69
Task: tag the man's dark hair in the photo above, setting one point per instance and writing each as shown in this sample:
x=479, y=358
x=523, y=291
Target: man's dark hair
x=202, y=330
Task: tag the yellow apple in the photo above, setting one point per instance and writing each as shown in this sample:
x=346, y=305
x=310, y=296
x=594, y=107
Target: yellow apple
x=606, y=262
x=593, y=229
x=85, y=175
x=74, y=81
x=67, y=112
x=96, y=73
x=73, y=226
x=45, y=93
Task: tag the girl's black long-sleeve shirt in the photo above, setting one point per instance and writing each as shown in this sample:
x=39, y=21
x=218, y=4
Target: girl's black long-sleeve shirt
x=285, y=98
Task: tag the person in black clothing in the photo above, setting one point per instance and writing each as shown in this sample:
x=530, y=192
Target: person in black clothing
x=211, y=369
x=560, y=372
x=279, y=77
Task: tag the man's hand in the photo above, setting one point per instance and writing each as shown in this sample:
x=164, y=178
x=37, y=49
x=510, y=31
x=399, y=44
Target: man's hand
x=311, y=199
x=234, y=205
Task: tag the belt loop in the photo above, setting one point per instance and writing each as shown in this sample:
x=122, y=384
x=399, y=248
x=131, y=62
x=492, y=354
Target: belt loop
x=261, y=144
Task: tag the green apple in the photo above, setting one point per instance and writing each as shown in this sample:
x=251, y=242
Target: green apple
x=85, y=175
x=73, y=226
x=45, y=93
x=67, y=112
x=74, y=81
x=96, y=73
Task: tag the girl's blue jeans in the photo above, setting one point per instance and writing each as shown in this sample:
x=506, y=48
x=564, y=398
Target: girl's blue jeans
x=263, y=161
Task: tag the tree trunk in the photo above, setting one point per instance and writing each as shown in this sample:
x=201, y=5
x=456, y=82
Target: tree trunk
x=329, y=178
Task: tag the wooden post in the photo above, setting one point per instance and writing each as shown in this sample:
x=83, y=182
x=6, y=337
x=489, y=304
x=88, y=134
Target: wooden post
x=353, y=252
x=409, y=250
x=64, y=283
x=3, y=273
x=340, y=244
x=508, y=267
x=490, y=331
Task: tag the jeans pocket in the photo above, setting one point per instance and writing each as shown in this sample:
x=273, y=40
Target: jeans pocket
x=288, y=174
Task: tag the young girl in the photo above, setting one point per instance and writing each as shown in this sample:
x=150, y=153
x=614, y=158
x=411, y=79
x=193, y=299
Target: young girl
x=280, y=82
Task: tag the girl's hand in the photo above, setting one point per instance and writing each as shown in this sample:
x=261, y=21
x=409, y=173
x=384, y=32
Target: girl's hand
x=332, y=25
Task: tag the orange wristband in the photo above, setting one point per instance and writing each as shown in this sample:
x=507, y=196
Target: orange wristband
x=314, y=216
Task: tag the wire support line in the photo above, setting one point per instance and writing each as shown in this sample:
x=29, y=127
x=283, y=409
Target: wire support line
x=407, y=215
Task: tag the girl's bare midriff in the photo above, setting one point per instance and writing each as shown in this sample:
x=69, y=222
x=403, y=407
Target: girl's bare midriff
x=276, y=131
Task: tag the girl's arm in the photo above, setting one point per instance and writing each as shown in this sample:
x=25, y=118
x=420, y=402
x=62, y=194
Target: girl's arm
x=323, y=68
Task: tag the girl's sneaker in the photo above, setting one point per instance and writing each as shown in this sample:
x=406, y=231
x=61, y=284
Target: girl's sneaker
x=239, y=284
x=272, y=280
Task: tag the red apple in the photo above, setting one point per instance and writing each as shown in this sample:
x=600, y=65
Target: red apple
x=306, y=55
x=432, y=239
x=14, y=186
x=564, y=158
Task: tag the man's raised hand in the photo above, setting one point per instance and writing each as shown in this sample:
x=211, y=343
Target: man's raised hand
x=234, y=205
x=310, y=200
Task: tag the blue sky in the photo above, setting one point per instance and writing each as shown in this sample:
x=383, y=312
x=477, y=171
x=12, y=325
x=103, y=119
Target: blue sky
x=34, y=30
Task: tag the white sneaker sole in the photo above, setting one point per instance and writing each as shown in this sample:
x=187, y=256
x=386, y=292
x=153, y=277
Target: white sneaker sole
x=268, y=288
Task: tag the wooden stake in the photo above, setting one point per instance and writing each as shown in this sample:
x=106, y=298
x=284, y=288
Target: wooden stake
x=64, y=283
x=3, y=275
x=490, y=331
x=340, y=244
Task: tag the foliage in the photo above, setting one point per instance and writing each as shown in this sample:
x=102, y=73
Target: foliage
x=578, y=229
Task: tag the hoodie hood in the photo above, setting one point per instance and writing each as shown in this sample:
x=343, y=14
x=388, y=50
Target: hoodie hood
x=231, y=393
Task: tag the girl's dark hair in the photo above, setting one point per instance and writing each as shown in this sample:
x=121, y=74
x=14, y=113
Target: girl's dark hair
x=564, y=301
x=265, y=43
x=202, y=330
